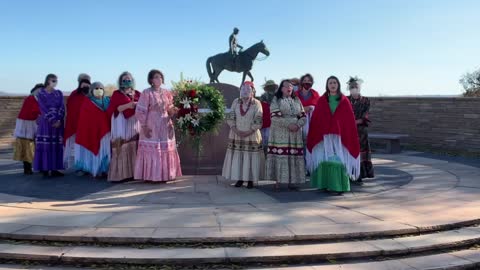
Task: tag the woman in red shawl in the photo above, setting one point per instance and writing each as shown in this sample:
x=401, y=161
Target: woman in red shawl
x=333, y=142
x=125, y=128
x=25, y=130
x=92, y=142
x=74, y=103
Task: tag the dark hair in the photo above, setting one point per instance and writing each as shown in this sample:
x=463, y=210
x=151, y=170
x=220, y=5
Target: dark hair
x=305, y=76
x=339, y=90
x=279, y=93
x=38, y=85
x=49, y=76
x=152, y=74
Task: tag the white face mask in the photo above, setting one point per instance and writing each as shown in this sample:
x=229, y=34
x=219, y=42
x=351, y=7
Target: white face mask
x=355, y=91
x=98, y=92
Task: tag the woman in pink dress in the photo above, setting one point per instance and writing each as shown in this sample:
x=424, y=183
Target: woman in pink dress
x=157, y=157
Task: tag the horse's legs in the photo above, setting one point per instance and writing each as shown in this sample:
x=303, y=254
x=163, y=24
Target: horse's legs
x=250, y=75
x=216, y=74
x=243, y=77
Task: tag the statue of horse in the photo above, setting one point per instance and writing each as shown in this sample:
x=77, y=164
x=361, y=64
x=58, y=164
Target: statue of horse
x=243, y=62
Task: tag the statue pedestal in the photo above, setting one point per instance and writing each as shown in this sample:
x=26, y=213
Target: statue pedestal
x=210, y=160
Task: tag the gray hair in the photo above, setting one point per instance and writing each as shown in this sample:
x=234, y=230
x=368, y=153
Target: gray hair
x=120, y=79
x=83, y=76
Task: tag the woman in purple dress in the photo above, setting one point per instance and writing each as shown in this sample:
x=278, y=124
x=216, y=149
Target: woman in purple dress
x=49, y=138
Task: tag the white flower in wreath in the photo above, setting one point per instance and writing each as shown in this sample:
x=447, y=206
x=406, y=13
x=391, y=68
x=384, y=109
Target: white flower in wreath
x=188, y=118
x=186, y=103
x=181, y=120
x=195, y=122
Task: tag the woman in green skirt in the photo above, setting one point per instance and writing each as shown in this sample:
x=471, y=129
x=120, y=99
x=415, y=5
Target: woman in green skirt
x=332, y=141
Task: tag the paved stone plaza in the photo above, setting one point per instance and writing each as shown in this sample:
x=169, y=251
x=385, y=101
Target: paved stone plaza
x=413, y=193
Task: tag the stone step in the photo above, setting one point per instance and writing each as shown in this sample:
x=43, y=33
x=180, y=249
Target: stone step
x=276, y=254
x=195, y=235
x=456, y=260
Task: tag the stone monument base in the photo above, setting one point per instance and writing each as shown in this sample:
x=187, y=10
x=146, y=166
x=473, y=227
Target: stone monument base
x=210, y=160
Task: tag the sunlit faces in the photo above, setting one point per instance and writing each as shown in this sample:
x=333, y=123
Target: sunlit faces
x=157, y=80
x=52, y=82
x=354, y=89
x=246, y=91
x=307, y=83
x=84, y=87
x=332, y=86
x=287, y=88
x=98, y=92
x=126, y=82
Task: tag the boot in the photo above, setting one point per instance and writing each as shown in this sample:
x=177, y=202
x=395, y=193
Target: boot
x=27, y=168
x=250, y=185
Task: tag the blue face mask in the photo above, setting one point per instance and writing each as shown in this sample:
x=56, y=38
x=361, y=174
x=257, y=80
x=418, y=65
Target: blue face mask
x=127, y=84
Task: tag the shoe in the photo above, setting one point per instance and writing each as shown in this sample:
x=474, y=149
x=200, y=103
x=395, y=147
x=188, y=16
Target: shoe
x=80, y=173
x=239, y=183
x=292, y=187
x=250, y=185
x=57, y=174
x=359, y=182
x=45, y=174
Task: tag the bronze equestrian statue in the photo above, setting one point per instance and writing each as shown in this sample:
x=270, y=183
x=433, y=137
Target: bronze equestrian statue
x=235, y=61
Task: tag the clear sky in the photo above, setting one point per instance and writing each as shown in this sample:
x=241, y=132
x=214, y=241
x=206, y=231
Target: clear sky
x=399, y=47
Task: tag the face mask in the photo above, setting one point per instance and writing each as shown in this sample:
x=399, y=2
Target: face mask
x=354, y=91
x=245, y=92
x=98, y=92
x=306, y=86
x=127, y=84
x=84, y=89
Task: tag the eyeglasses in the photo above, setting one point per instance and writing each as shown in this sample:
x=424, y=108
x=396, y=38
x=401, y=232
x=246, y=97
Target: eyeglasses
x=126, y=81
x=53, y=81
x=98, y=88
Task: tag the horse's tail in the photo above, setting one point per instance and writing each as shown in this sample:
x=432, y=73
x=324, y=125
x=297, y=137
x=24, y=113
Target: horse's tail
x=209, y=68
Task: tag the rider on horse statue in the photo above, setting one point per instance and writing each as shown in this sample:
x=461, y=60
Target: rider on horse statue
x=232, y=41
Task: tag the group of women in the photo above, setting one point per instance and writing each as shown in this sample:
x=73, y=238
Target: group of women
x=129, y=135
x=290, y=133
x=293, y=132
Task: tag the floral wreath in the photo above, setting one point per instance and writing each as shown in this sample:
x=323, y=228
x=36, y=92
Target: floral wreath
x=201, y=109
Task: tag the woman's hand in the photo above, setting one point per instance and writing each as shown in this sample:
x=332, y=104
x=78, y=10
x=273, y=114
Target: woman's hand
x=242, y=134
x=293, y=127
x=147, y=132
x=308, y=109
x=172, y=111
x=57, y=124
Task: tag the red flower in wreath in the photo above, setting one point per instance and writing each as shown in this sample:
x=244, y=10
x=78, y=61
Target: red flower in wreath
x=182, y=112
x=192, y=93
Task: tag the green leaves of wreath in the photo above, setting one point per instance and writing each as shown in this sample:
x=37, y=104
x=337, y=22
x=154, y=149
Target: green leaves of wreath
x=191, y=98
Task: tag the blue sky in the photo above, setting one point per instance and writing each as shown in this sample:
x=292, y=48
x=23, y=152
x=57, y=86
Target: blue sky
x=399, y=47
